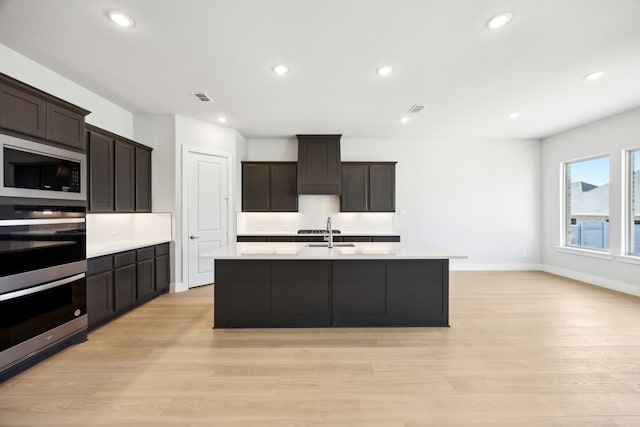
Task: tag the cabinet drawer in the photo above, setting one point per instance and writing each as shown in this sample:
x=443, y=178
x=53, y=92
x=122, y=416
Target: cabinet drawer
x=162, y=249
x=99, y=265
x=145, y=253
x=124, y=258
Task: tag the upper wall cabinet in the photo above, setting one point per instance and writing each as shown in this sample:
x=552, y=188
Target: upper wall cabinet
x=29, y=111
x=143, y=180
x=319, y=169
x=368, y=187
x=100, y=176
x=125, y=176
x=269, y=187
x=119, y=173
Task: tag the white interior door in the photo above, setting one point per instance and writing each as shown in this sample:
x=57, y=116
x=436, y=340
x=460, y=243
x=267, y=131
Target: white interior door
x=207, y=216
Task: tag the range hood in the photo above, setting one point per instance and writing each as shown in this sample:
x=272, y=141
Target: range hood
x=319, y=167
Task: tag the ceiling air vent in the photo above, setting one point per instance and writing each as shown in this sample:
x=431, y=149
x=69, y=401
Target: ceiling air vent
x=415, y=108
x=202, y=97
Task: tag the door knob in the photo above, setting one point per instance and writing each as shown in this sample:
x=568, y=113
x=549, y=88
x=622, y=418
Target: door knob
x=194, y=237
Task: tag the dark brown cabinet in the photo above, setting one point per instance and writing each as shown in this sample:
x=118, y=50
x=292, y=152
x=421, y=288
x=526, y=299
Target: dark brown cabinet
x=269, y=187
x=359, y=293
x=368, y=187
x=119, y=173
x=145, y=273
x=270, y=294
x=99, y=289
x=162, y=268
x=100, y=159
x=318, y=238
x=301, y=293
x=319, y=170
x=143, y=180
x=308, y=293
x=124, y=177
x=21, y=111
x=391, y=293
x=65, y=126
x=29, y=111
x=122, y=281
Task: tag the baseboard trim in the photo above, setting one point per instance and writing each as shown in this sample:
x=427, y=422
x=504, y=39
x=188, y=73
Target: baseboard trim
x=454, y=266
x=614, y=285
x=179, y=287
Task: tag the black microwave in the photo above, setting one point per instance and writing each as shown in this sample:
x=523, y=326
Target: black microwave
x=31, y=169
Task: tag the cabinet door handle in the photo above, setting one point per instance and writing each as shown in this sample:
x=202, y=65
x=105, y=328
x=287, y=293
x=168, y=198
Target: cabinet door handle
x=194, y=237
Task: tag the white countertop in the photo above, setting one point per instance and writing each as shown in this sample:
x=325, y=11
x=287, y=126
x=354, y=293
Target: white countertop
x=120, y=246
x=299, y=251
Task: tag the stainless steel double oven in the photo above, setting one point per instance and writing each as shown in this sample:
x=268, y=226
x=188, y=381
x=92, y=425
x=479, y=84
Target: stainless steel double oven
x=42, y=251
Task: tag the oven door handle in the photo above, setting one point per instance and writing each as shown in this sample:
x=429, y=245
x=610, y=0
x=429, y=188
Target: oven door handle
x=18, y=222
x=22, y=292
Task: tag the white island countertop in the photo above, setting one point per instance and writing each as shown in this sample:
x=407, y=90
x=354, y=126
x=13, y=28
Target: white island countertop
x=300, y=251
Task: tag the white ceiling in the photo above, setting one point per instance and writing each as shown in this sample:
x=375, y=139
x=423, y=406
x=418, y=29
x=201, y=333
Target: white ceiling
x=469, y=78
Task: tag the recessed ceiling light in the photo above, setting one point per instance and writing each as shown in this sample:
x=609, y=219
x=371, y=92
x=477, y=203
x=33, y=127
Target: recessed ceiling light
x=404, y=119
x=120, y=18
x=385, y=70
x=222, y=119
x=594, y=76
x=513, y=115
x=281, y=69
x=499, y=21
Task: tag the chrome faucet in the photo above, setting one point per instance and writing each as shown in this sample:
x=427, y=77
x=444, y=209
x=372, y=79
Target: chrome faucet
x=329, y=232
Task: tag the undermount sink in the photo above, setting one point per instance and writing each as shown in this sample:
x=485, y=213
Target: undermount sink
x=326, y=245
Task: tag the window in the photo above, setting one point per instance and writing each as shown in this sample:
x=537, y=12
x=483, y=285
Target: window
x=587, y=204
x=633, y=204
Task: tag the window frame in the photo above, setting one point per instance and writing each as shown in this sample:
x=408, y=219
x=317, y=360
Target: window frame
x=565, y=229
x=627, y=203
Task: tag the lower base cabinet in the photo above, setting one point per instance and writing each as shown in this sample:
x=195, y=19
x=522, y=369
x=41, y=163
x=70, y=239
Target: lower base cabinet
x=100, y=297
x=270, y=294
x=125, y=295
x=145, y=273
x=391, y=293
x=120, y=282
x=319, y=293
x=162, y=267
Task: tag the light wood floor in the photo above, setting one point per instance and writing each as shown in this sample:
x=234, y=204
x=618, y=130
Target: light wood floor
x=524, y=349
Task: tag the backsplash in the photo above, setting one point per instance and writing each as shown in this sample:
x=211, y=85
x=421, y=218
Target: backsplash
x=312, y=214
x=110, y=228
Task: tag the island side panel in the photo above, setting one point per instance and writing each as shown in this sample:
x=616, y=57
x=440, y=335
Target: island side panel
x=418, y=292
x=243, y=294
x=359, y=293
x=264, y=294
x=301, y=293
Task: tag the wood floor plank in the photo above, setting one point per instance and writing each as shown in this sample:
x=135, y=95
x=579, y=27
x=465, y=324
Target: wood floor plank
x=524, y=349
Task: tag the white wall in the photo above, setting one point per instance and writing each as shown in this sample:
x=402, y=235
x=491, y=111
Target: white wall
x=477, y=197
x=104, y=113
x=608, y=136
x=158, y=131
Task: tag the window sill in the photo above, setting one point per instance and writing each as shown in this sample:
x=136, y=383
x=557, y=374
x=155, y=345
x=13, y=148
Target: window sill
x=629, y=259
x=585, y=252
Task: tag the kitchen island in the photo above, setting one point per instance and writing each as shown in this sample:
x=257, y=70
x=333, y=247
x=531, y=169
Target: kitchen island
x=311, y=285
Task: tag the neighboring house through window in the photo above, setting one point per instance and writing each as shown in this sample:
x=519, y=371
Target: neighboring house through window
x=587, y=203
